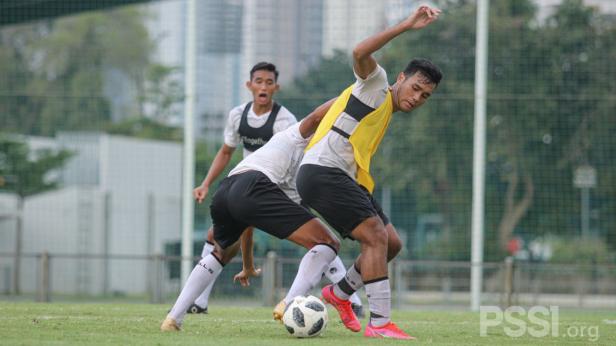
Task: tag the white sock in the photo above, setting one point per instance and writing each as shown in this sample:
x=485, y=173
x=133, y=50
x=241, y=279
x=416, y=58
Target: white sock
x=203, y=299
x=346, y=287
x=379, y=300
x=335, y=272
x=207, y=249
x=204, y=273
x=311, y=268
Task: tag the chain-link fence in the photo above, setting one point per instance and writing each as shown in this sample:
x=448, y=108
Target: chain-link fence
x=415, y=283
x=91, y=109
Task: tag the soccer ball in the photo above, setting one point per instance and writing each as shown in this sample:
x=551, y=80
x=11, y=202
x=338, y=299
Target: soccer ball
x=305, y=317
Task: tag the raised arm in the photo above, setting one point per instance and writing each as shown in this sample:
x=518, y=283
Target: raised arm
x=363, y=61
x=311, y=122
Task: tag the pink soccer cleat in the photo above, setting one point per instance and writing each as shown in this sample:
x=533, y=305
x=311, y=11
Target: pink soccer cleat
x=345, y=310
x=390, y=330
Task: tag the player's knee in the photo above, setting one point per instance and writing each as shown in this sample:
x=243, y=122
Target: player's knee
x=327, y=239
x=394, y=248
x=224, y=256
x=394, y=244
x=332, y=242
x=375, y=234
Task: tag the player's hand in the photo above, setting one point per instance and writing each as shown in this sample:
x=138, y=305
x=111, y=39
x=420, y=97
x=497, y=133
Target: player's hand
x=244, y=276
x=200, y=192
x=423, y=16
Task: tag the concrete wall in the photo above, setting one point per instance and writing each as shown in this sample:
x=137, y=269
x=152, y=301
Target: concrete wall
x=120, y=196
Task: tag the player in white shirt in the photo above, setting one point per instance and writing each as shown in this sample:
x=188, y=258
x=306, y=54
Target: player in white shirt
x=251, y=125
x=252, y=194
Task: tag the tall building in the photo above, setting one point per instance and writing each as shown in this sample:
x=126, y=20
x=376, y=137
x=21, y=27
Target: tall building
x=219, y=79
x=232, y=36
x=286, y=33
x=397, y=10
x=346, y=22
x=219, y=32
x=167, y=30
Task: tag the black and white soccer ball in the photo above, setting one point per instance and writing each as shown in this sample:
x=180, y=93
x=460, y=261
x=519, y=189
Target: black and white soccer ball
x=305, y=317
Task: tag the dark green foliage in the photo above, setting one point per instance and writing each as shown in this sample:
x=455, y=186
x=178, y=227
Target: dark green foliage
x=24, y=172
x=550, y=109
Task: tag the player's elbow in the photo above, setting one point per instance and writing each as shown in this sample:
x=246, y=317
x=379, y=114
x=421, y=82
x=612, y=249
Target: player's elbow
x=358, y=54
x=226, y=151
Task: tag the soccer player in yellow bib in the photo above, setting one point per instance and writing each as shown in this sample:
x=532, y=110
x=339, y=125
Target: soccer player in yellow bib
x=334, y=176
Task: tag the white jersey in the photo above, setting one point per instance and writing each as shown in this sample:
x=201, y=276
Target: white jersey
x=333, y=150
x=278, y=159
x=284, y=119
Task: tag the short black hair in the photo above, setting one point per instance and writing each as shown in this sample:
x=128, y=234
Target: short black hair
x=267, y=66
x=426, y=67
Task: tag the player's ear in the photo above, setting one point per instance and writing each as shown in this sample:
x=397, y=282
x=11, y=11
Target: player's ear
x=401, y=77
x=248, y=84
x=277, y=87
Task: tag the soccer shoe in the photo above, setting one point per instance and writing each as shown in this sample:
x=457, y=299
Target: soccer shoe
x=169, y=325
x=344, y=308
x=390, y=330
x=358, y=310
x=196, y=309
x=279, y=310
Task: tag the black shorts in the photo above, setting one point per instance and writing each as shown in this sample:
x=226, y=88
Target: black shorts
x=251, y=199
x=342, y=202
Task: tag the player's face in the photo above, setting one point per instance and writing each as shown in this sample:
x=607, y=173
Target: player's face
x=412, y=91
x=262, y=86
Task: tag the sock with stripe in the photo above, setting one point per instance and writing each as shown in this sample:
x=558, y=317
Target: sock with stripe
x=204, y=297
x=336, y=272
x=351, y=282
x=379, y=300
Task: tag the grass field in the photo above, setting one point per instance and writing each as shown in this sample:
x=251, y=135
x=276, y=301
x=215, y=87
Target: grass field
x=137, y=324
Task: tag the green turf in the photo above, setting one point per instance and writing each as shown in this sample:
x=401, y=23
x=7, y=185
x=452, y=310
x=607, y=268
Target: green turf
x=137, y=324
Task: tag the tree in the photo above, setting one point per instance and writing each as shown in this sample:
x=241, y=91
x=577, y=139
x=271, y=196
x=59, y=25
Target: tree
x=163, y=92
x=24, y=172
x=550, y=109
x=145, y=128
x=57, y=70
x=14, y=72
x=320, y=83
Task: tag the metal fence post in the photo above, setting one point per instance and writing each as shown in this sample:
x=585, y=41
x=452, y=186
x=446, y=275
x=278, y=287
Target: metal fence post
x=508, y=281
x=44, y=294
x=18, y=245
x=398, y=283
x=269, y=279
x=106, y=241
x=580, y=286
x=156, y=296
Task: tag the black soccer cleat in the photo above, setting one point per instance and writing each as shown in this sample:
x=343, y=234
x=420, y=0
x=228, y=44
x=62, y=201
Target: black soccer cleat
x=196, y=309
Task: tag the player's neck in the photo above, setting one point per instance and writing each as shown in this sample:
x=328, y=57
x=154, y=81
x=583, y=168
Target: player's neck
x=262, y=109
x=394, y=89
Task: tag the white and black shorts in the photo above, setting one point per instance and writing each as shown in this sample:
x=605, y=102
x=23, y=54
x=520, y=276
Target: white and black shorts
x=251, y=199
x=342, y=202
